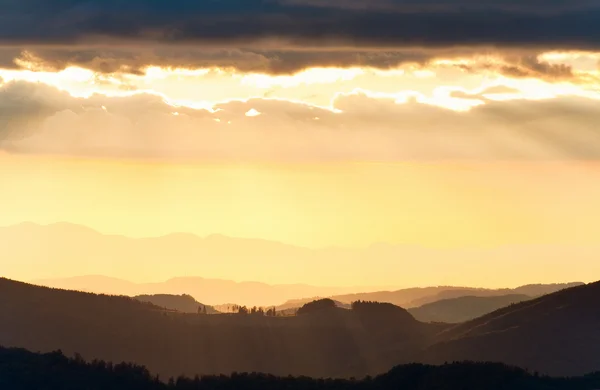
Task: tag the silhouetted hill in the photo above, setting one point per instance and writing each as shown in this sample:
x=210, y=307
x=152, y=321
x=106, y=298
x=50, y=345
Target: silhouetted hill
x=318, y=306
x=419, y=296
x=182, y=303
x=23, y=370
x=556, y=333
x=532, y=290
x=331, y=343
x=404, y=297
x=296, y=303
x=536, y=290
x=462, y=309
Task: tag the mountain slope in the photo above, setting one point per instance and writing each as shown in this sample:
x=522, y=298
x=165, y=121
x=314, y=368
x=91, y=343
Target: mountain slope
x=419, y=296
x=556, y=333
x=181, y=303
x=532, y=290
x=337, y=342
x=462, y=309
x=403, y=297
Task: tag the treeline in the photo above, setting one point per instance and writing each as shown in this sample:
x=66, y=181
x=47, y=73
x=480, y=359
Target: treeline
x=23, y=370
x=369, y=307
x=244, y=310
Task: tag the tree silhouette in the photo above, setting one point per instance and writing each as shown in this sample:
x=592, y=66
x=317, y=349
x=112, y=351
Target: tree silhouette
x=317, y=306
x=24, y=370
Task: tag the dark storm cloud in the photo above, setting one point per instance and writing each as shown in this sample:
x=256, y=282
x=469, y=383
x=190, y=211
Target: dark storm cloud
x=369, y=23
x=524, y=65
x=283, y=36
x=133, y=60
x=516, y=63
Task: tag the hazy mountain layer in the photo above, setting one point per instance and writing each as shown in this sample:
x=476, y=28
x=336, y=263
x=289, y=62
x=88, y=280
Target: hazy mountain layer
x=462, y=309
x=212, y=292
x=70, y=250
x=416, y=297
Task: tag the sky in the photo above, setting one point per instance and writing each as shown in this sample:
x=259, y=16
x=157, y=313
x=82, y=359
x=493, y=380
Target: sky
x=449, y=124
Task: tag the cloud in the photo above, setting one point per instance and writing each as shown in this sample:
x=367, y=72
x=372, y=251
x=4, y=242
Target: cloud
x=524, y=65
x=136, y=59
x=41, y=120
x=303, y=22
x=283, y=36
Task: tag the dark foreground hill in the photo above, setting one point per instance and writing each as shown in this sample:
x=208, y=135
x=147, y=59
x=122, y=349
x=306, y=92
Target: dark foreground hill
x=557, y=333
x=23, y=370
x=328, y=343
x=463, y=309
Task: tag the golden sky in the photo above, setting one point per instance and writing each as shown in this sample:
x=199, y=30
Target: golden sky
x=447, y=204
x=452, y=153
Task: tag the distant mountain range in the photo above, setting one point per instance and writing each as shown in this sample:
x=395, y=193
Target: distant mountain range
x=78, y=250
x=185, y=294
x=415, y=297
x=556, y=334
x=453, y=310
x=445, y=303
x=212, y=292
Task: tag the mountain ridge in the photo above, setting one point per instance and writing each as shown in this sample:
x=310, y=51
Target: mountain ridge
x=554, y=334
x=465, y=308
x=336, y=343
x=84, y=251
x=562, y=326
